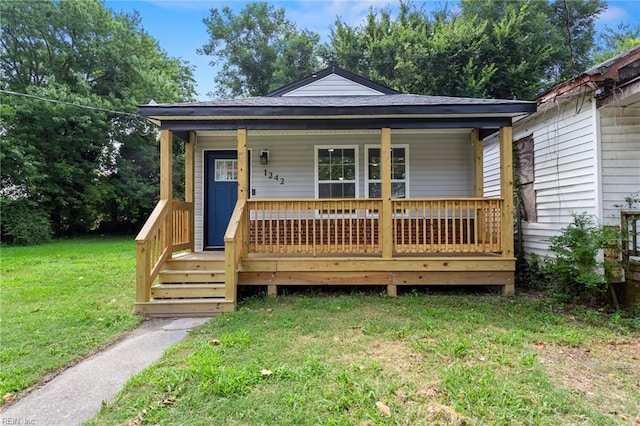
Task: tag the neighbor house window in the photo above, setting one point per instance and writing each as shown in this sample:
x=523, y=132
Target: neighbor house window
x=399, y=172
x=524, y=186
x=337, y=172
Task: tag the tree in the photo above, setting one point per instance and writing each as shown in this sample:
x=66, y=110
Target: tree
x=615, y=41
x=492, y=48
x=575, y=19
x=70, y=160
x=258, y=50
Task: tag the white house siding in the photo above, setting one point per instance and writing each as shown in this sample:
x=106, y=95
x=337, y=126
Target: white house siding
x=566, y=170
x=333, y=85
x=440, y=165
x=491, y=166
x=620, y=142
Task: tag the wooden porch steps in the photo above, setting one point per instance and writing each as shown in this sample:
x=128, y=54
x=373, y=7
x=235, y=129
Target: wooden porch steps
x=191, y=276
x=188, y=287
x=198, y=264
x=181, y=291
x=185, y=307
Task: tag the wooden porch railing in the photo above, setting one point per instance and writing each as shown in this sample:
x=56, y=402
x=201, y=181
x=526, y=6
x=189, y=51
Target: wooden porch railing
x=182, y=226
x=168, y=229
x=630, y=228
x=235, y=247
x=314, y=226
x=464, y=225
x=335, y=226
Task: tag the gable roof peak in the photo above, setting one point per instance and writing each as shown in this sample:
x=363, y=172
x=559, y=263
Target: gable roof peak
x=332, y=69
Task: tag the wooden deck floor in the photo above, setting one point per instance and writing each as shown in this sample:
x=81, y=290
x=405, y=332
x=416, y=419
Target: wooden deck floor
x=219, y=255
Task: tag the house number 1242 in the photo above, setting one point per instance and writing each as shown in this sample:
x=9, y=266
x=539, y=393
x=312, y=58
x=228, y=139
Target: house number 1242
x=276, y=178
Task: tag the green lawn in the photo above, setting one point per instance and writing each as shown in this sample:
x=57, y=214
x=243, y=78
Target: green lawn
x=61, y=301
x=367, y=360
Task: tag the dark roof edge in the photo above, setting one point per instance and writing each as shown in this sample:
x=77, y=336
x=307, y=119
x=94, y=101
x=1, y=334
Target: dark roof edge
x=341, y=124
x=253, y=111
x=334, y=69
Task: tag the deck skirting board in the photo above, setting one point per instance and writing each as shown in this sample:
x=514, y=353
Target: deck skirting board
x=503, y=278
x=370, y=265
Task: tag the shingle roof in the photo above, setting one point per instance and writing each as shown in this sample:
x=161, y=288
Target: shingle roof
x=392, y=109
x=344, y=101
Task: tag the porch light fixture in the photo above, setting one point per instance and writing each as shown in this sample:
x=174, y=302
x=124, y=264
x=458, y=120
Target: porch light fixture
x=264, y=157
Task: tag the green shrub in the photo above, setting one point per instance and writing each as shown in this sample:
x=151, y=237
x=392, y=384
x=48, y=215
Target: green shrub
x=22, y=222
x=575, y=271
x=533, y=275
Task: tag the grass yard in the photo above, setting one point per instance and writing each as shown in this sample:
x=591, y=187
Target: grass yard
x=363, y=359
x=61, y=301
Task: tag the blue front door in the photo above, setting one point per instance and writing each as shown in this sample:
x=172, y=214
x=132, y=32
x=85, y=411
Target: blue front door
x=221, y=194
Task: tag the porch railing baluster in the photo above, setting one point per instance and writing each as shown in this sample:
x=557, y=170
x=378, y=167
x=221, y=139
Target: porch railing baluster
x=337, y=226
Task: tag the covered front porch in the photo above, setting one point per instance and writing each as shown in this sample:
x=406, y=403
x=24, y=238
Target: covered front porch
x=311, y=241
x=333, y=179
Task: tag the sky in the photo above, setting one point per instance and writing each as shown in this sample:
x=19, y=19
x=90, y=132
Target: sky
x=178, y=26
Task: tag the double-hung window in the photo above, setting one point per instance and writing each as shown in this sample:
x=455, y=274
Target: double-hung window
x=337, y=172
x=399, y=172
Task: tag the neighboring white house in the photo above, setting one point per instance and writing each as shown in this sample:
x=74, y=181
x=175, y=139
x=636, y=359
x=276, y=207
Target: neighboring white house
x=579, y=153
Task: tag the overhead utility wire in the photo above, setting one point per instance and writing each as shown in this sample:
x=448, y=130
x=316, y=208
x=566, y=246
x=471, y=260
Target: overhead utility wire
x=55, y=101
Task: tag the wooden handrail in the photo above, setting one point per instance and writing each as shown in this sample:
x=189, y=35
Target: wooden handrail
x=234, y=243
x=167, y=230
x=152, y=248
x=234, y=221
x=152, y=221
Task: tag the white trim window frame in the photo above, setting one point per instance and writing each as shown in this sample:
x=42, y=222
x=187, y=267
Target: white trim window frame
x=399, y=171
x=336, y=170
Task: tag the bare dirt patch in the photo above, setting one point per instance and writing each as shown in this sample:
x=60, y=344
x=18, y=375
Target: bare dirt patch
x=389, y=354
x=607, y=374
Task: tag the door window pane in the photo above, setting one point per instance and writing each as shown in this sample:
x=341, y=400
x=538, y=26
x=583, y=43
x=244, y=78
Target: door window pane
x=226, y=170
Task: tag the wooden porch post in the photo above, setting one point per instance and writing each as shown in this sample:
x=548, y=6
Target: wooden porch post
x=166, y=181
x=188, y=182
x=243, y=172
x=385, y=176
x=243, y=186
x=231, y=248
x=478, y=156
x=506, y=193
x=386, y=217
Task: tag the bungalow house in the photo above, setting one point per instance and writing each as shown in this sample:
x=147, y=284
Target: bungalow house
x=333, y=179
x=578, y=153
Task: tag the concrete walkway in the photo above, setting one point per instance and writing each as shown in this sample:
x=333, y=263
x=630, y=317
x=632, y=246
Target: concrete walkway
x=77, y=393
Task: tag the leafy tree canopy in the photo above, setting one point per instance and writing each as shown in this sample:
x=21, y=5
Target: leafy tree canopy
x=615, y=41
x=492, y=48
x=75, y=166
x=487, y=48
x=258, y=50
